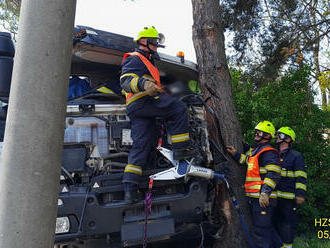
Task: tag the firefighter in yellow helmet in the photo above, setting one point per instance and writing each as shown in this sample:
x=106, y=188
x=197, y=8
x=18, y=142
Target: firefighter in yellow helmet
x=145, y=101
x=150, y=39
x=153, y=38
x=262, y=176
x=291, y=190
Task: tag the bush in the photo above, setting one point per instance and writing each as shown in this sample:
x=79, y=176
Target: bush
x=289, y=102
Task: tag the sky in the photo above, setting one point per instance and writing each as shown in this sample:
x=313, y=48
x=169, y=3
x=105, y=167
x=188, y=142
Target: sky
x=173, y=18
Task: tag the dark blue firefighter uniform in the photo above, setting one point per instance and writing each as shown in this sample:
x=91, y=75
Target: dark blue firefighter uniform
x=143, y=112
x=292, y=184
x=269, y=168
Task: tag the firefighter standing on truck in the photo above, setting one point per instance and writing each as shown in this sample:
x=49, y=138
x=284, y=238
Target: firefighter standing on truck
x=145, y=100
x=292, y=187
x=263, y=174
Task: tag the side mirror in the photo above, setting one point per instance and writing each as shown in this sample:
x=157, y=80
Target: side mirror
x=7, y=52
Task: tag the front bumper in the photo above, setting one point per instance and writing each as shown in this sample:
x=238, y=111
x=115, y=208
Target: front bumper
x=92, y=217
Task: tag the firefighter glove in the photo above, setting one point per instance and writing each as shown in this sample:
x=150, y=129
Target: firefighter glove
x=264, y=200
x=300, y=200
x=231, y=150
x=151, y=88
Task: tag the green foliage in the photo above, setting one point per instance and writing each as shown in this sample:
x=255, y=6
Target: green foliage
x=9, y=13
x=270, y=35
x=324, y=80
x=289, y=102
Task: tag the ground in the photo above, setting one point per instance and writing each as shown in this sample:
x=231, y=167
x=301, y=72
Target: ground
x=311, y=243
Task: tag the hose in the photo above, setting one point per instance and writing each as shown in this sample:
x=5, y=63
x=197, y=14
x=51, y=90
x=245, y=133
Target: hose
x=236, y=206
x=67, y=175
x=116, y=164
x=116, y=155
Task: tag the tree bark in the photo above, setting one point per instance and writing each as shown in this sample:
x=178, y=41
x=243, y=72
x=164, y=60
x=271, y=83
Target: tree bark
x=215, y=79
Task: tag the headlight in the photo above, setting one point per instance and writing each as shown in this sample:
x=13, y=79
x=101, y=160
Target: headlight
x=62, y=225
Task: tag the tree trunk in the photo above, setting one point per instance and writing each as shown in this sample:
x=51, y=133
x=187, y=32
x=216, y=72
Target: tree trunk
x=215, y=79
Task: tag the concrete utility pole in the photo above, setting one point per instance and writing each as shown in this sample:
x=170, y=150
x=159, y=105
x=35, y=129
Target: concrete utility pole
x=30, y=165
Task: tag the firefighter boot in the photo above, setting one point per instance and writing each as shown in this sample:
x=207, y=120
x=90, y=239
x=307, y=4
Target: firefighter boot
x=132, y=193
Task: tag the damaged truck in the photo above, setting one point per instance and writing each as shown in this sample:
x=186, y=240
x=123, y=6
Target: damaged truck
x=91, y=209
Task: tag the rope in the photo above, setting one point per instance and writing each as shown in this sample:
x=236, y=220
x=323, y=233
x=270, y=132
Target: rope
x=147, y=211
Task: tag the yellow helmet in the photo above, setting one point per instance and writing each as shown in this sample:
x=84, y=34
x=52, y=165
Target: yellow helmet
x=267, y=127
x=150, y=32
x=288, y=131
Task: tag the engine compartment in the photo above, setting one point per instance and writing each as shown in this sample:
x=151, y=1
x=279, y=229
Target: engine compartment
x=96, y=145
x=97, y=141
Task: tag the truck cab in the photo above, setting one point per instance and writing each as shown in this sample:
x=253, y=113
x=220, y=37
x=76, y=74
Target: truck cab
x=91, y=209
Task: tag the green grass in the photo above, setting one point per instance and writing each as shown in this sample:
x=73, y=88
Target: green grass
x=311, y=243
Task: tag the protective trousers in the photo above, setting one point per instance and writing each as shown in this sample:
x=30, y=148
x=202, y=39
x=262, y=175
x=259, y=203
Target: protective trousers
x=262, y=224
x=285, y=221
x=143, y=120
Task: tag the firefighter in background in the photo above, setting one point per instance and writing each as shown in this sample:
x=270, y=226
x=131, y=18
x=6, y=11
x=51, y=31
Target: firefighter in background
x=145, y=100
x=292, y=187
x=263, y=174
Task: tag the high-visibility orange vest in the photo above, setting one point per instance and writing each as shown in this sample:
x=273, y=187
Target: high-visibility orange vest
x=253, y=180
x=152, y=69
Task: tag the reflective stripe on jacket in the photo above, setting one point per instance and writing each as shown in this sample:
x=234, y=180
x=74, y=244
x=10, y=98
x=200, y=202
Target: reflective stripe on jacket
x=253, y=181
x=269, y=167
x=293, y=175
x=130, y=97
